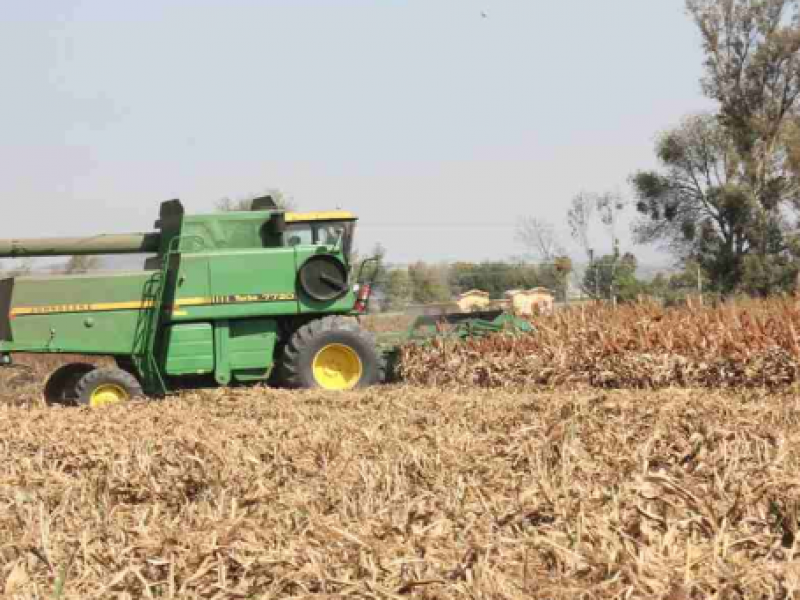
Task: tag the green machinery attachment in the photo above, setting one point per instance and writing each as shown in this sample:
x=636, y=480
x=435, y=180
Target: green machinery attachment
x=453, y=326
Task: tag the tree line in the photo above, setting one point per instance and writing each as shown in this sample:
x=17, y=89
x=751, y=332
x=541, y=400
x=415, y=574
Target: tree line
x=398, y=287
x=425, y=283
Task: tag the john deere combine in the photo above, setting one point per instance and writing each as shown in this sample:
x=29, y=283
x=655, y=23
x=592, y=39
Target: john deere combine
x=230, y=297
x=239, y=297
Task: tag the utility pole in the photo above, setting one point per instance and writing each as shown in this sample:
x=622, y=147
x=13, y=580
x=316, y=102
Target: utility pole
x=612, y=287
x=593, y=266
x=795, y=232
x=699, y=281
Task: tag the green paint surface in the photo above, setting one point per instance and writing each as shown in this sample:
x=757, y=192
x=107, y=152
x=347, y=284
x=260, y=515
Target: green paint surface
x=229, y=279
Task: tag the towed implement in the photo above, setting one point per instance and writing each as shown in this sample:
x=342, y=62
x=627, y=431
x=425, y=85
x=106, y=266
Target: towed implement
x=240, y=297
x=453, y=326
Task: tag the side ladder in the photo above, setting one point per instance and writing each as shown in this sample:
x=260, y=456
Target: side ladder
x=149, y=366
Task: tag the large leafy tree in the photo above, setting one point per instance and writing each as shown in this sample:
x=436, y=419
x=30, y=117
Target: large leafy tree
x=752, y=63
x=701, y=208
x=729, y=181
x=696, y=206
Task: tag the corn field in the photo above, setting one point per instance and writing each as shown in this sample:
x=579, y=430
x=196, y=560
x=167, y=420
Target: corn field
x=752, y=344
x=495, y=489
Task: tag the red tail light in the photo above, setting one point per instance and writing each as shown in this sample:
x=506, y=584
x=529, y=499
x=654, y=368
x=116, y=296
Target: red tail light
x=362, y=299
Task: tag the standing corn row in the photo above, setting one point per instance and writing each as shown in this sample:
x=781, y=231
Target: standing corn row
x=751, y=344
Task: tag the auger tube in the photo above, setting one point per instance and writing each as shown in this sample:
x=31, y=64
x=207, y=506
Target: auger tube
x=127, y=243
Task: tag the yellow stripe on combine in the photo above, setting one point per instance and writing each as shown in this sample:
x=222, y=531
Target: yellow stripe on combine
x=142, y=304
x=333, y=215
x=194, y=302
x=63, y=308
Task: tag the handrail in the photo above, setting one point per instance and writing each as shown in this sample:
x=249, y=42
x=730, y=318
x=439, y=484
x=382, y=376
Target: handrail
x=158, y=302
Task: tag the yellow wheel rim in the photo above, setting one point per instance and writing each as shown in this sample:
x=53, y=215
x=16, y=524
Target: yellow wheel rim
x=337, y=367
x=108, y=393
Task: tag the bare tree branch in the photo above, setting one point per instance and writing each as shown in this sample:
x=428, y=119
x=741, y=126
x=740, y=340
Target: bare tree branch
x=540, y=238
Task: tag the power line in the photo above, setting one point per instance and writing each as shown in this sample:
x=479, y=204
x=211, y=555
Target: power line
x=429, y=225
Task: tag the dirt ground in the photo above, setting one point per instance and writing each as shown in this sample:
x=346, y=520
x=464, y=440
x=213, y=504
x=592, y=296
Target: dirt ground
x=401, y=492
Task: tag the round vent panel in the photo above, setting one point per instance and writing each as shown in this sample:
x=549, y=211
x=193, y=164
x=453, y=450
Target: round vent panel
x=323, y=278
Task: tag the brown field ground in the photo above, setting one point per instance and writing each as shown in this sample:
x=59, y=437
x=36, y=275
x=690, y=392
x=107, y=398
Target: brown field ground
x=409, y=491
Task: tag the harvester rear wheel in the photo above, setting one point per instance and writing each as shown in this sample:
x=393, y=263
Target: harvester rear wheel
x=332, y=353
x=61, y=385
x=102, y=387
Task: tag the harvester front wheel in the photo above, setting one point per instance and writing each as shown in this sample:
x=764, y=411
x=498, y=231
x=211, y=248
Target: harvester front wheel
x=333, y=353
x=103, y=387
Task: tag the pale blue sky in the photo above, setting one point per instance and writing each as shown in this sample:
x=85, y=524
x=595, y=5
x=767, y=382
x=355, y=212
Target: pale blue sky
x=437, y=126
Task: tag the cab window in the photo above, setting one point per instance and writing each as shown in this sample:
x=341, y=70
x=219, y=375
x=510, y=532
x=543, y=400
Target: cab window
x=300, y=234
x=321, y=232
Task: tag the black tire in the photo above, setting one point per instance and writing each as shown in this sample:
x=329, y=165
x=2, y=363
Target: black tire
x=111, y=378
x=305, y=344
x=389, y=368
x=61, y=386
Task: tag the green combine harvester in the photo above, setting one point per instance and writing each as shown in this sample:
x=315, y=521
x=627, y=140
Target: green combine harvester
x=249, y=296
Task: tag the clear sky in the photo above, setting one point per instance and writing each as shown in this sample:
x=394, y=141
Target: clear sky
x=440, y=127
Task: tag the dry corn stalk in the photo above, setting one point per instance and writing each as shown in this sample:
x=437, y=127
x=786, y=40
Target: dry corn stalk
x=635, y=346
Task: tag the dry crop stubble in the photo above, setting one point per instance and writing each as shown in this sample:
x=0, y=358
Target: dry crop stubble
x=404, y=492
